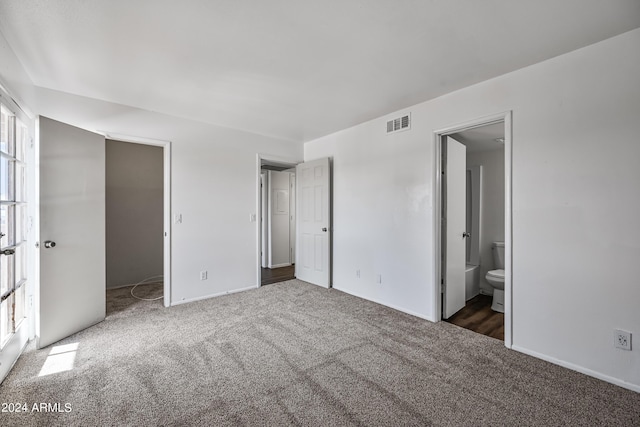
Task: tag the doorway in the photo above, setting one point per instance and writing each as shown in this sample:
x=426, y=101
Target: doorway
x=464, y=239
x=138, y=149
x=72, y=168
x=313, y=231
x=276, y=221
x=134, y=221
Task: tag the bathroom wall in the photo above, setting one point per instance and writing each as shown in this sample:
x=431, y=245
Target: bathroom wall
x=491, y=208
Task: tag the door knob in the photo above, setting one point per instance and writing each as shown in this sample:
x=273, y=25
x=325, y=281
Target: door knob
x=8, y=252
x=48, y=244
x=324, y=229
x=466, y=234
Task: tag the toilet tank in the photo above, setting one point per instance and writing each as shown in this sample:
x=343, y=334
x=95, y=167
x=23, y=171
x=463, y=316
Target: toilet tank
x=498, y=255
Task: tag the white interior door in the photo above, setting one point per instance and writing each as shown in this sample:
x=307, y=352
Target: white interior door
x=279, y=246
x=72, y=215
x=292, y=218
x=264, y=224
x=313, y=209
x=455, y=182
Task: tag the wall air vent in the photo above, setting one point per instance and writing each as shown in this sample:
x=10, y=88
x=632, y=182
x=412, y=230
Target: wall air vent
x=399, y=124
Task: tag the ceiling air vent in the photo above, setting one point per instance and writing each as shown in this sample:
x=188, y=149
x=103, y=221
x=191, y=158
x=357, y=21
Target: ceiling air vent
x=401, y=123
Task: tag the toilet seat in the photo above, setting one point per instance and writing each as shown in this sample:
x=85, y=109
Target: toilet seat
x=497, y=274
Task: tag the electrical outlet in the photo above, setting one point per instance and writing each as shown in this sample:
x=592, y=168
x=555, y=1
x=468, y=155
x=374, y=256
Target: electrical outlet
x=622, y=339
x=203, y=275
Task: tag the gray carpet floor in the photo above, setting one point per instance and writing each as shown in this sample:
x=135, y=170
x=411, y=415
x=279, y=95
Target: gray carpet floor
x=295, y=354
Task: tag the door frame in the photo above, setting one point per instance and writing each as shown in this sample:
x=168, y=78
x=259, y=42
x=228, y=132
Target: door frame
x=16, y=345
x=166, y=157
x=260, y=159
x=508, y=225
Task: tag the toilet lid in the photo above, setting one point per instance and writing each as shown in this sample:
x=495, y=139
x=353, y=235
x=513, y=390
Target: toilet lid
x=498, y=274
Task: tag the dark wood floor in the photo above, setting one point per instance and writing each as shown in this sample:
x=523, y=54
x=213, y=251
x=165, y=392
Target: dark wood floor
x=477, y=316
x=274, y=275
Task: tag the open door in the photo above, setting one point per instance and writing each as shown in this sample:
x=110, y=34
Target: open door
x=313, y=210
x=455, y=166
x=72, y=230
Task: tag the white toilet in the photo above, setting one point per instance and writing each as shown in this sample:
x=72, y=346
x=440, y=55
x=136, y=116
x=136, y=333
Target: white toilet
x=496, y=277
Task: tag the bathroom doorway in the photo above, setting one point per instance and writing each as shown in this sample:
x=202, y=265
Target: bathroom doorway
x=473, y=211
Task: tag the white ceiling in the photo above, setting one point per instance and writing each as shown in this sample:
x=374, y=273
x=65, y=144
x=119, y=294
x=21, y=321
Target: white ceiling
x=482, y=138
x=295, y=69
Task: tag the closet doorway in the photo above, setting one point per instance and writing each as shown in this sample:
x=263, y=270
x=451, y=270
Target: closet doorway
x=134, y=223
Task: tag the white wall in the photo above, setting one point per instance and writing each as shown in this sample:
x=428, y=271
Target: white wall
x=213, y=187
x=213, y=180
x=491, y=208
x=575, y=203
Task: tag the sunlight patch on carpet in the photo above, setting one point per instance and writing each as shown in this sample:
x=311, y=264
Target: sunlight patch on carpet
x=60, y=359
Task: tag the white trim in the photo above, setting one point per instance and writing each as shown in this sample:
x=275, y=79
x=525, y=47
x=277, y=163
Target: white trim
x=578, y=368
x=436, y=308
x=219, y=294
x=17, y=342
x=167, y=224
x=13, y=349
x=166, y=152
x=508, y=232
x=395, y=307
x=133, y=139
x=15, y=100
x=130, y=285
x=286, y=264
x=437, y=215
x=284, y=161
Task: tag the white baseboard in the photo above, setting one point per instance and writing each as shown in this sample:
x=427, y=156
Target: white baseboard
x=120, y=286
x=159, y=281
x=286, y=264
x=578, y=368
x=472, y=296
x=219, y=294
x=404, y=310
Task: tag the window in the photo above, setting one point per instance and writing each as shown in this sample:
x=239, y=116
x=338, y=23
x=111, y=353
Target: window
x=13, y=137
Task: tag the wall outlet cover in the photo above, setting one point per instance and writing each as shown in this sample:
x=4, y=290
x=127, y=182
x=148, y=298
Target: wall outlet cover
x=622, y=339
